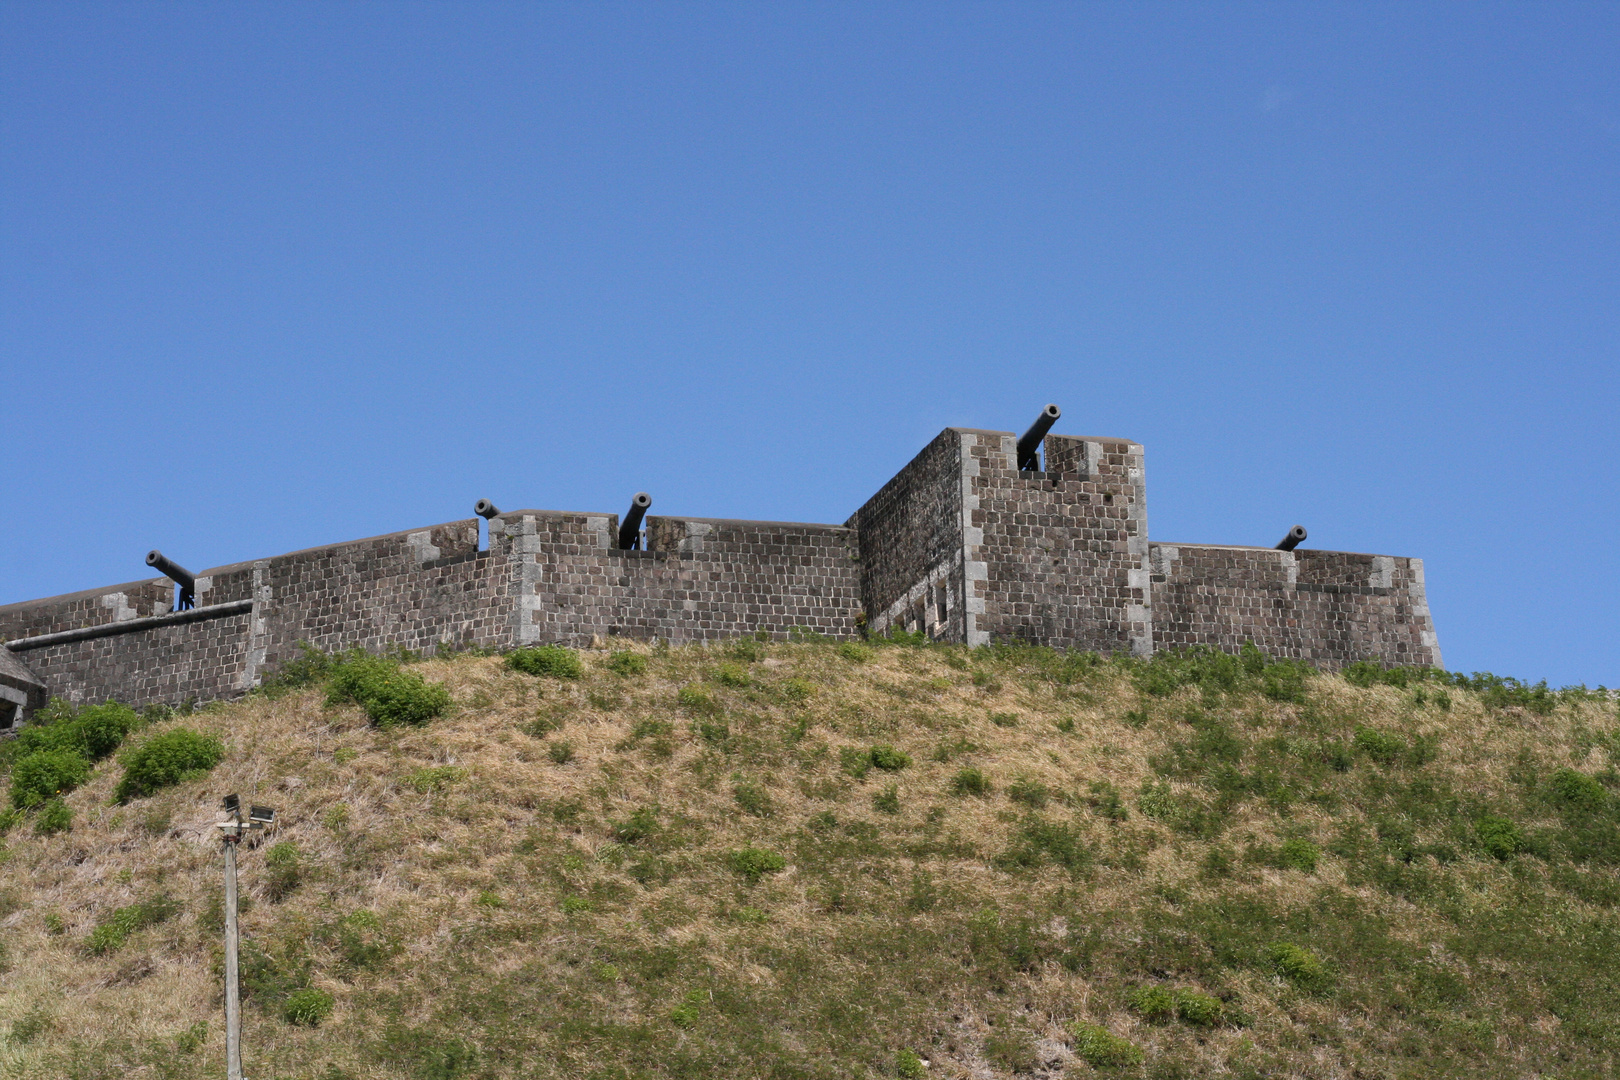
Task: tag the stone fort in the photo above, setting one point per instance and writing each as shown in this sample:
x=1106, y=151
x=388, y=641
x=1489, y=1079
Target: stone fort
x=984, y=537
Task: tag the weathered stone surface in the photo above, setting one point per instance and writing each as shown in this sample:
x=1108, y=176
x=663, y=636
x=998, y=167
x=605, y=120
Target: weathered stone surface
x=959, y=545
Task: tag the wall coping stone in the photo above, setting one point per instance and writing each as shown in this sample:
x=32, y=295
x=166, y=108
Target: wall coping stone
x=173, y=618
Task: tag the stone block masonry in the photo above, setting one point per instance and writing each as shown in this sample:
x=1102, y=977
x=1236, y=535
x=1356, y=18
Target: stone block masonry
x=960, y=545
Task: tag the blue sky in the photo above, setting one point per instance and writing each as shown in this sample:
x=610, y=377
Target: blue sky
x=274, y=276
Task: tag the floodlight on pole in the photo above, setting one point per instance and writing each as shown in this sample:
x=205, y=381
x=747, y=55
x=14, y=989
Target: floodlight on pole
x=231, y=831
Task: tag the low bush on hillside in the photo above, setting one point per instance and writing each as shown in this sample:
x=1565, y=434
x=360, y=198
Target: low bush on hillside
x=548, y=661
x=627, y=663
x=115, y=929
x=307, y=1007
x=173, y=757
x=1102, y=1049
x=46, y=774
x=55, y=753
x=389, y=694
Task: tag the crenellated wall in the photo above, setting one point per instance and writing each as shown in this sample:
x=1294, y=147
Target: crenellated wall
x=960, y=545
x=1324, y=607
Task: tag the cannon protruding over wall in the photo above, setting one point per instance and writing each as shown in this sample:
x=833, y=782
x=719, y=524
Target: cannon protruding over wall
x=982, y=537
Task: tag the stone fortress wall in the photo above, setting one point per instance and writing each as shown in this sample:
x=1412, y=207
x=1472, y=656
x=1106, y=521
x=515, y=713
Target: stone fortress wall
x=961, y=545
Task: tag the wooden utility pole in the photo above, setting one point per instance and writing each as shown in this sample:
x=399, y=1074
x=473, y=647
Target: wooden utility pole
x=231, y=830
x=233, y=1000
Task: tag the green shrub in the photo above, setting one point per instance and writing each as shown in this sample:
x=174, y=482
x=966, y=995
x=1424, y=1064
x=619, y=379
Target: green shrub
x=1499, y=837
x=855, y=652
x=970, y=781
x=1384, y=747
x=626, y=663
x=549, y=661
x=1575, y=792
x=1028, y=793
x=752, y=798
x=1153, y=1002
x=1284, y=681
x=560, y=752
x=1101, y=1048
x=1004, y=719
x=1298, y=965
x=641, y=825
x=908, y=1065
x=112, y=932
x=1200, y=1010
x=694, y=698
x=754, y=863
x=92, y=732
x=1157, y=802
x=1369, y=673
x=797, y=690
x=309, y=667
x=887, y=801
x=887, y=758
x=1299, y=854
x=1208, y=669
x=307, y=1007
x=714, y=732
x=54, y=817
x=167, y=759
x=1104, y=799
x=388, y=694
x=856, y=763
x=429, y=781
x=734, y=675
x=46, y=774
x=284, y=869
x=1039, y=841
x=689, y=1011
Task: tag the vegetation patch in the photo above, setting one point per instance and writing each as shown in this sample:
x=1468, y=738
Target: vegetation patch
x=548, y=661
x=174, y=757
x=1414, y=875
x=389, y=694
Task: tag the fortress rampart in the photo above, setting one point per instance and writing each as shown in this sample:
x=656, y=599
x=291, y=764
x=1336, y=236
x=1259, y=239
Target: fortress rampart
x=961, y=545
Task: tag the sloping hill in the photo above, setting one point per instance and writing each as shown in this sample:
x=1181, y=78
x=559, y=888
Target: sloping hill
x=811, y=860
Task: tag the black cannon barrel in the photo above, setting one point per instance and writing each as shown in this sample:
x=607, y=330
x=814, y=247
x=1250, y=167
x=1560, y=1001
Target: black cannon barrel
x=1295, y=537
x=486, y=509
x=630, y=530
x=177, y=574
x=171, y=569
x=1029, y=447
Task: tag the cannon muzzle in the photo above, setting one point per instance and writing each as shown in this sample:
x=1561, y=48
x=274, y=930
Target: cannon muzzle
x=177, y=574
x=1029, y=447
x=1295, y=537
x=630, y=530
x=486, y=509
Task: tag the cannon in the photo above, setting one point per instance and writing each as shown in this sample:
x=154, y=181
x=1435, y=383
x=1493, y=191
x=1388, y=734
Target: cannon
x=630, y=530
x=1029, y=447
x=486, y=509
x=1295, y=537
x=177, y=574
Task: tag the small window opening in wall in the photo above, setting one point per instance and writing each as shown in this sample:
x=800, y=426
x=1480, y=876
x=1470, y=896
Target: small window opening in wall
x=942, y=602
x=10, y=716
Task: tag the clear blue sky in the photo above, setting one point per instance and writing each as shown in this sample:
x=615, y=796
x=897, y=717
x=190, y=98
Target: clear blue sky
x=274, y=276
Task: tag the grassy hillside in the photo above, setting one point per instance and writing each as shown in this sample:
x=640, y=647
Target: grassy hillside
x=813, y=860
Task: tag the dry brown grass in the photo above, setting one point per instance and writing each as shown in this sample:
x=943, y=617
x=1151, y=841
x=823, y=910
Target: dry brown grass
x=832, y=965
